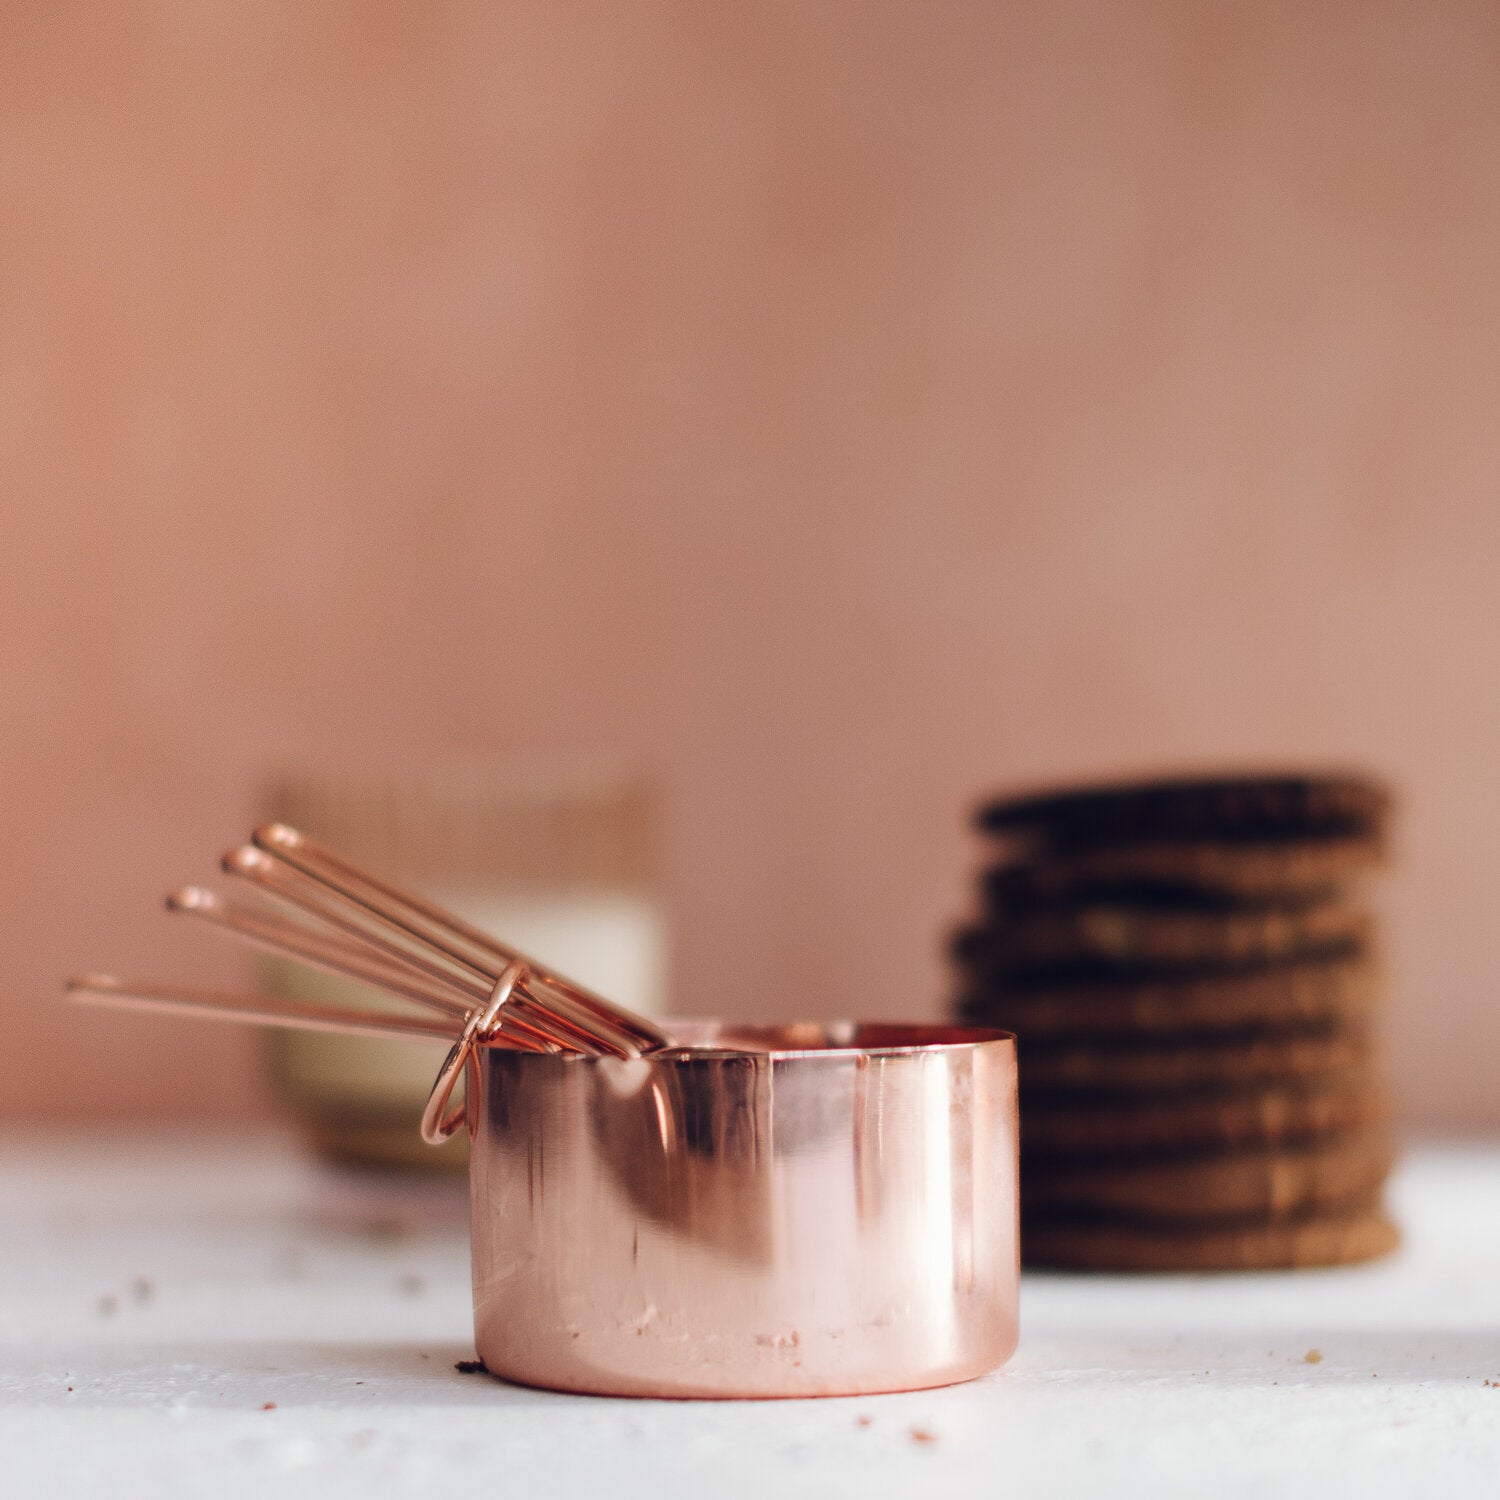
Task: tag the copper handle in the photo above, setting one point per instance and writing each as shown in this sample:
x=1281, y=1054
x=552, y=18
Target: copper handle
x=612, y=1027
x=257, y=1010
x=332, y=955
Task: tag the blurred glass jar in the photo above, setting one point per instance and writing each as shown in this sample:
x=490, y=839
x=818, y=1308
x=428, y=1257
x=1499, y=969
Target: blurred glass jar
x=557, y=863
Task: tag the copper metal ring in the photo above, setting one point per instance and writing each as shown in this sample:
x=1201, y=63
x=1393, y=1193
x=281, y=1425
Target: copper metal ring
x=437, y=1126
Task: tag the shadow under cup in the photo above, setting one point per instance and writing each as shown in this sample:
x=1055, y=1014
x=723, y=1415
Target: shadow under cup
x=797, y=1211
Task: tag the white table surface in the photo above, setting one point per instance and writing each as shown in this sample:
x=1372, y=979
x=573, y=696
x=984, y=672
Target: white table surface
x=219, y=1318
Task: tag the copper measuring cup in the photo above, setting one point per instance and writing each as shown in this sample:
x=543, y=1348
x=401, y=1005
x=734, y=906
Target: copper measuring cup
x=814, y=1211
x=690, y=1210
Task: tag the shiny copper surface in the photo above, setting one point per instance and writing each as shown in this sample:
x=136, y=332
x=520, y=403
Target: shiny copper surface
x=803, y=1211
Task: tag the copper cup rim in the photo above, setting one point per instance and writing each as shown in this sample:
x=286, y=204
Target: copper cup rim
x=714, y=1041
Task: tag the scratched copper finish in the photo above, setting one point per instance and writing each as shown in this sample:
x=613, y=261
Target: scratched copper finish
x=831, y=1211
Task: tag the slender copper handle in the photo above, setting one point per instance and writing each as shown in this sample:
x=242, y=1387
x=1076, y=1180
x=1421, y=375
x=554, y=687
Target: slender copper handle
x=331, y=954
x=257, y=1010
x=535, y=1023
x=612, y=1027
x=364, y=929
x=421, y=919
x=288, y=884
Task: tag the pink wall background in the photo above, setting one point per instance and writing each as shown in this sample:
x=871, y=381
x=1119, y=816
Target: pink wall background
x=837, y=410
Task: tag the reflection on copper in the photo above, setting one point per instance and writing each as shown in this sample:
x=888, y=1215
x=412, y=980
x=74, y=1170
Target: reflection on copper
x=766, y=1216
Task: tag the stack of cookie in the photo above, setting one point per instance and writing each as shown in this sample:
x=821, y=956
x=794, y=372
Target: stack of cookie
x=1189, y=970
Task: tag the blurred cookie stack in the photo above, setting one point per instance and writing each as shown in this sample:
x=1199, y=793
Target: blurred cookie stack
x=1190, y=971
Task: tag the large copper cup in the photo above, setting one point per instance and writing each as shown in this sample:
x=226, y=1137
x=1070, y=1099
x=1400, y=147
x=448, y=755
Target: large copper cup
x=829, y=1211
